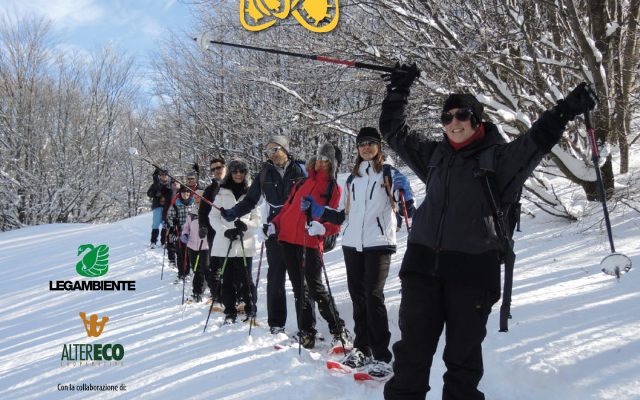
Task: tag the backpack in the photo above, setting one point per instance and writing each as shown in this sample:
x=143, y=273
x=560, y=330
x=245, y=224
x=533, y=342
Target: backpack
x=506, y=217
x=388, y=179
x=328, y=242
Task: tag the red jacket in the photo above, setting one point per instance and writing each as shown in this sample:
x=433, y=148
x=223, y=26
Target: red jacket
x=291, y=222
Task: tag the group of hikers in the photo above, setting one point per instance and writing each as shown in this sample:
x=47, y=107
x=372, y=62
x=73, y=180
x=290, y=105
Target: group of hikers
x=450, y=272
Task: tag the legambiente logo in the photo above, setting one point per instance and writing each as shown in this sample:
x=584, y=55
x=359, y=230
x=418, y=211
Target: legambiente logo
x=94, y=263
x=315, y=15
x=92, y=355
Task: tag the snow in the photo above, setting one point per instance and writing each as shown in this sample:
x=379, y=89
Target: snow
x=575, y=332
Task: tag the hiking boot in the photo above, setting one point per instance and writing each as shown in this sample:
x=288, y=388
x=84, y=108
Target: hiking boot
x=274, y=330
x=153, y=245
x=380, y=369
x=308, y=340
x=356, y=359
x=197, y=298
x=230, y=319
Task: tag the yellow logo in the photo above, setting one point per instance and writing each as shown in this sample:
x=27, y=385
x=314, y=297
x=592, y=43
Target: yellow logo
x=92, y=326
x=315, y=15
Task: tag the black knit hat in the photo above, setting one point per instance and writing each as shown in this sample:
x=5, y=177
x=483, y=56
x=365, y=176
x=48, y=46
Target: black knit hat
x=368, y=133
x=464, y=100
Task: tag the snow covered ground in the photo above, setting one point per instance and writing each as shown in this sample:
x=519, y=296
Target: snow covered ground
x=575, y=332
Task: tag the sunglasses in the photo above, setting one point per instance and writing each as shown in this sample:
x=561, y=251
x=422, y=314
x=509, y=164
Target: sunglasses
x=239, y=171
x=366, y=143
x=218, y=168
x=272, y=150
x=462, y=115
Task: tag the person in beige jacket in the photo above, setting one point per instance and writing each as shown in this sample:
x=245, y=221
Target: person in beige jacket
x=234, y=243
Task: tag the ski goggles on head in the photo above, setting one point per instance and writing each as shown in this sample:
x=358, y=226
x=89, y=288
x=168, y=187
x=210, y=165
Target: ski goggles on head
x=323, y=158
x=272, y=150
x=462, y=115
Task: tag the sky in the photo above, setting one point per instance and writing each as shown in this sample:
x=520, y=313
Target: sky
x=135, y=26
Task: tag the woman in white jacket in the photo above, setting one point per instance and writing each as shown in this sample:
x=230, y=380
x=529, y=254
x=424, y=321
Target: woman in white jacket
x=368, y=241
x=234, y=242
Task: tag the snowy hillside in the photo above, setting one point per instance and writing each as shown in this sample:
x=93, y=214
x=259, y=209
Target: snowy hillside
x=575, y=332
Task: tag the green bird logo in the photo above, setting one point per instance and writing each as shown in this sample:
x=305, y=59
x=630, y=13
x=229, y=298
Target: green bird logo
x=95, y=262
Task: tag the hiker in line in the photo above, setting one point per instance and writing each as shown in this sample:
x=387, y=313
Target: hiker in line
x=176, y=218
x=217, y=172
x=160, y=194
x=273, y=183
x=450, y=273
x=298, y=233
x=234, y=243
x=197, y=249
x=368, y=241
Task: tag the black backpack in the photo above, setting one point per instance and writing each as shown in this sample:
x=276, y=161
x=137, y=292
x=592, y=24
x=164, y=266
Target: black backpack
x=506, y=217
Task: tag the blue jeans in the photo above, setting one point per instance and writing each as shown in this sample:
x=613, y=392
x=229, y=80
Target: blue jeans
x=157, y=218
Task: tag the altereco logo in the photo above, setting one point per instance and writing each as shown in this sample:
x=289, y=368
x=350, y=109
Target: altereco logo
x=94, y=263
x=92, y=354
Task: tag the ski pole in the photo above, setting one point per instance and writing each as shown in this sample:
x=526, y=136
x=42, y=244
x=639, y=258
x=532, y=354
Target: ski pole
x=224, y=264
x=164, y=251
x=249, y=283
x=204, y=41
x=404, y=208
x=185, y=267
x=195, y=268
x=332, y=302
x=257, y=280
x=619, y=262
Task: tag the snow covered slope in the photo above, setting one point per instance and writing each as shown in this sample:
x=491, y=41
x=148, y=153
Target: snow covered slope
x=575, y=332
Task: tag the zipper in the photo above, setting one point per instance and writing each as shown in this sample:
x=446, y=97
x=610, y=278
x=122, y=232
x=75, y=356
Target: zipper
x=442, y=216
x=380, y=226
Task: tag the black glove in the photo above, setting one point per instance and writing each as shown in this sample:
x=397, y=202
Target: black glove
x=240, y=225
x=156, y=172
x=173, y=235
x=580, y=100
x=229, y=215
x=202, y=232
x=196, y=167
x=402, y=77
x=232, y=234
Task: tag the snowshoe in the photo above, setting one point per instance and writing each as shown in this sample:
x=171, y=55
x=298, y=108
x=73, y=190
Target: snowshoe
x=379, y=371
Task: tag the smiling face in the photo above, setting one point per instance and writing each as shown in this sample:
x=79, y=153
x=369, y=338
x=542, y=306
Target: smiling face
x=368, y=149
x=458, y=131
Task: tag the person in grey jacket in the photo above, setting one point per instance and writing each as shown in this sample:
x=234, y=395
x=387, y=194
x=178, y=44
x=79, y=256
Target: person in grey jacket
x=450, y=273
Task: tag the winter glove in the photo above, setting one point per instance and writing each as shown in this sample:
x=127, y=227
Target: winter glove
x=307, y=202
x=240, y=225
x=228, y=215
x=232, y=234
x=173, y=237
x=202, y=232
x=196, y=167
x=315, y=228
x=402, y=77
x=580, y=100
x=184, y=238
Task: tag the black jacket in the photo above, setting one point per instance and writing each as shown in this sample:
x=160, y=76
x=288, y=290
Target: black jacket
x=276, y=188
x=454, y=223
x=209, y=193
x=160, y=194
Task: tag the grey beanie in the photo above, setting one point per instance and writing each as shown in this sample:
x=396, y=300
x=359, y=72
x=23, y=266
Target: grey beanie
x=281, y=141
x=334, y=155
